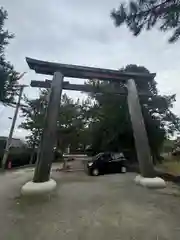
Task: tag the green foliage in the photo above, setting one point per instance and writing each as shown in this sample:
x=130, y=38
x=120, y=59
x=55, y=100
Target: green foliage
x=8, y=76
x=145, y=14
x=111, y=126
x=70, y=124
x=168, y=146
x=34, y=113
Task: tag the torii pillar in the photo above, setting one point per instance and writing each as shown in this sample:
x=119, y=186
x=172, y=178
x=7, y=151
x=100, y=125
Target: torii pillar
x=147, y=177
x=41, y=182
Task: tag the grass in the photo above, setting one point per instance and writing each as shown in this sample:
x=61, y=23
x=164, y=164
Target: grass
x=171, y=165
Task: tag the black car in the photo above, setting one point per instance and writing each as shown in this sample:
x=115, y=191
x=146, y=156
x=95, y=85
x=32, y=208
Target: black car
x=106, y=162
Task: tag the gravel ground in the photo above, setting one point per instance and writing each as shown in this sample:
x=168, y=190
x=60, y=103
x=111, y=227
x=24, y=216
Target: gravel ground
x=109, y=207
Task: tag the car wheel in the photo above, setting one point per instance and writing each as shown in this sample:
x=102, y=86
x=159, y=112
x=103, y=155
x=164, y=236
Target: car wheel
x=95, y=172
x=123, y=169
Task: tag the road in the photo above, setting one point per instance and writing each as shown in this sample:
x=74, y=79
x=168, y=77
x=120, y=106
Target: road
x=84, y=207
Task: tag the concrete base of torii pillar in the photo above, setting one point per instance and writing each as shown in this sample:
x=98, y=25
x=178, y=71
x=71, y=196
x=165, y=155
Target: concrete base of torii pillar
x=155, y=182
x=40, y=188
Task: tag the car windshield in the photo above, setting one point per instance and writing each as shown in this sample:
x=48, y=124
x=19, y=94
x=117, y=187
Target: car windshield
x=97, y=156
x=118, y=155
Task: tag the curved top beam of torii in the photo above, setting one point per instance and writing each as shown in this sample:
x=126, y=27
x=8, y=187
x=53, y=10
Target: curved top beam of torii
x=75, y=71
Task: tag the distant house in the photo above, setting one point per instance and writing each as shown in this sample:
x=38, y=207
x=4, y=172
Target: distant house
x=16, y=143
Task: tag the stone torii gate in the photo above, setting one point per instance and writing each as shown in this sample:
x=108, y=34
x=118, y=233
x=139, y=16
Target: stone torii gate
x=41, y=181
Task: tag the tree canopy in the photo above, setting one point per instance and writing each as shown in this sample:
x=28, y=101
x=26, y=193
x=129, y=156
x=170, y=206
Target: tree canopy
x=8, y=76
x=145, y=14
x=111, y=128
x=70, y=124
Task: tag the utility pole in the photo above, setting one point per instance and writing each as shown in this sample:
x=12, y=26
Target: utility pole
x=9, y=140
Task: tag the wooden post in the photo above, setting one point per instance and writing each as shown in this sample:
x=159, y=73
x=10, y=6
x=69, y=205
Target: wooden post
x=139, y=131
x=48, y=141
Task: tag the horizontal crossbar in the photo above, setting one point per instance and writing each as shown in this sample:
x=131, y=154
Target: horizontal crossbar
x=77, y=87
x=75, y=71
x=85, y=88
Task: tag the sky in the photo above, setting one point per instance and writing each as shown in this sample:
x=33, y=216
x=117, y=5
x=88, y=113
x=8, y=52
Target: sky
x=82, y=32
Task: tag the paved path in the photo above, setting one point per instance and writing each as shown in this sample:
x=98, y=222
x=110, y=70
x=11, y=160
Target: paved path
x=109, y=207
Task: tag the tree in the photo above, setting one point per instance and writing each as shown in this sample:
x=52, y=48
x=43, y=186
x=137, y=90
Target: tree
x=111, y=128
x=34, y=113
x=70, y=123
x=145, y=14
x=8, y=76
